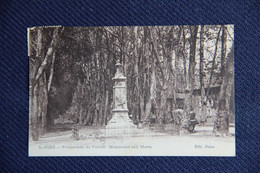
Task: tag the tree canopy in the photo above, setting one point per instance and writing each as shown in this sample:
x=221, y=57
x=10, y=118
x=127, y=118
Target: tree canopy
x=71, y=69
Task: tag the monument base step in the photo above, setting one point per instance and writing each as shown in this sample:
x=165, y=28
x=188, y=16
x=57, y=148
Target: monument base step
x=129, y=132
x=104, y=132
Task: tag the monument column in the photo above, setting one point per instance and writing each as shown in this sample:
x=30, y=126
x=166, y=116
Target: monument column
x=120, y=123
x=119, y=99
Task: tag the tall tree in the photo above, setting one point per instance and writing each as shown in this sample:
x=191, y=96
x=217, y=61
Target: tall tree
x=222, y=123
x=191, y=68
x=39, y=64
x=190, y=83
x=203, y=103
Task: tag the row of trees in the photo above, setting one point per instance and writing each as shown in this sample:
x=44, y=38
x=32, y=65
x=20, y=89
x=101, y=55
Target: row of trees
x=71, y=70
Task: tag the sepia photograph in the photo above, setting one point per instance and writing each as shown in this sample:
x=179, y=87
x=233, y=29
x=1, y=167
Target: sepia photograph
x=131, y=90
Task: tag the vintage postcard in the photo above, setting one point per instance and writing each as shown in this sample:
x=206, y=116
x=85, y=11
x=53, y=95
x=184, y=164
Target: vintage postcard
x=132, y=91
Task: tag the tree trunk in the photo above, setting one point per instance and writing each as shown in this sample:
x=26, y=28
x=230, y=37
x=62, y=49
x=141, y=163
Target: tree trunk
x=105, y=111
x=222, y=123
x=203, y=107
x=213, y=63
x=150, y=101
x=35, y=123
x=48, y=56
x=163, y=77
x=194, y=32
x=34, y=88
x=190, y=82
x=136, y=73
x=191, y=69
x=51, y=71
x=184, y=60
x=44, y=102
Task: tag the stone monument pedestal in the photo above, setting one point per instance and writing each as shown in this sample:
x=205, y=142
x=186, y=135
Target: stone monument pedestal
x=120, y=124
